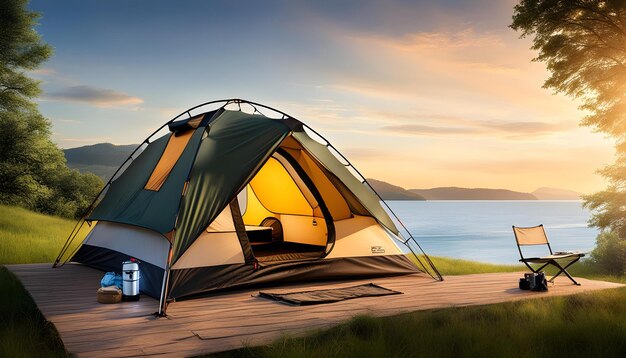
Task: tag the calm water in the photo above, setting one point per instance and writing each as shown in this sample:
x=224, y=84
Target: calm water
x=481, y=230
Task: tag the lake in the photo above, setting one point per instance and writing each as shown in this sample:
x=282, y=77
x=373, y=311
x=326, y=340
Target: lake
x=481, y=230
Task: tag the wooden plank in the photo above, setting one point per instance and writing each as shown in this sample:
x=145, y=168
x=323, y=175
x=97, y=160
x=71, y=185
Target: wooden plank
x=229, y=320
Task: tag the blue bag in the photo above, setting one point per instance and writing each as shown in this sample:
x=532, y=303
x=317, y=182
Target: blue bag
x=111, y=279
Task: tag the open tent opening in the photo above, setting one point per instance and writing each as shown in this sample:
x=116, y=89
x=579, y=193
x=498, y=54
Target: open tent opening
x=285, y=216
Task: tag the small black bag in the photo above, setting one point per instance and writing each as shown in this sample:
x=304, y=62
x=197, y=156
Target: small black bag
x=534, y=282
x=541, y=284
x=524, y=284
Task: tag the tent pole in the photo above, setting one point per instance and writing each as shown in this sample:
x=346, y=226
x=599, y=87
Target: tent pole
x=164, y=286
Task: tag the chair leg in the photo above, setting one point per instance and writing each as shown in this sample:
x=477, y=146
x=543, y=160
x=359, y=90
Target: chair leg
x=556, y=264
x=563, y=270
x=571, y=278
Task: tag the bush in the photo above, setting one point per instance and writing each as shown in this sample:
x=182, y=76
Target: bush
x=33, y=170
x=71, y=193
x=610, y=253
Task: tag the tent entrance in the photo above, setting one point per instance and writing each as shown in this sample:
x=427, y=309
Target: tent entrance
x=284, y=214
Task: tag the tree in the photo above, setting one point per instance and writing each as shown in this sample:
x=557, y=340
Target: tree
x=583, y=44
x=20, y=49
x=33, y=171
x=29, y=159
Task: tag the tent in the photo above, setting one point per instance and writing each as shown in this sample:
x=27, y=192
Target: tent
x=231, y=197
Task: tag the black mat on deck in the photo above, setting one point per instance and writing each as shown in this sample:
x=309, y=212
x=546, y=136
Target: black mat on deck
x=316, y=297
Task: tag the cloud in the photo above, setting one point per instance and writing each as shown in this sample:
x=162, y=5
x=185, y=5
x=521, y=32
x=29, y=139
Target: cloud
x=471, y=70
x=69, y=121
x=454, y=57
x=510, y=130
x=418, y=129
x=461, y=100
x=169, y=112
x=436, y=41
x=510, y=165
x=316, y=110
x=439, y=124
x=361, y=153
x=99, y=97
x=85, y=140
x=44, y=71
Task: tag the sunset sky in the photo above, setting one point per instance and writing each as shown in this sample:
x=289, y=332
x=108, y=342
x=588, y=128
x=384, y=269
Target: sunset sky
x=416, y=93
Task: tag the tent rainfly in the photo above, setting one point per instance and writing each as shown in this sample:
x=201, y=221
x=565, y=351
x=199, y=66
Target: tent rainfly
x=228, y=198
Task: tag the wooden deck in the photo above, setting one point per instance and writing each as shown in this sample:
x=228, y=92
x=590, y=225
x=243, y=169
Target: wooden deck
x=67, y=297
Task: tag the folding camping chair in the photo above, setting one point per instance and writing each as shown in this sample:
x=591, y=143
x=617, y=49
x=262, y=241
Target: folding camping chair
x=536, y=235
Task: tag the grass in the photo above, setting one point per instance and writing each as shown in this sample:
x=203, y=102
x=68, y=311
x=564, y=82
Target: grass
x=24, y=332
x=590, y=324
x=28, y=237
x=451, y=267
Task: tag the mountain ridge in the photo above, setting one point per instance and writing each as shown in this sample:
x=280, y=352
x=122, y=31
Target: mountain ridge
x=458, y=193
x=103, y=159
x=393, y=192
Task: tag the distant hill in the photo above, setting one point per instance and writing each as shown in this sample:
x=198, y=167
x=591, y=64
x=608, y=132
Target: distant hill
x=454, y=193
x=101, y=159
x=556, y=194
x=392, y=192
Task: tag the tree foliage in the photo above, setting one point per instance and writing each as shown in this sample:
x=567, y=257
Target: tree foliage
x=583, y=44
x=33, y=171
x=610, y=253
x=20, y=49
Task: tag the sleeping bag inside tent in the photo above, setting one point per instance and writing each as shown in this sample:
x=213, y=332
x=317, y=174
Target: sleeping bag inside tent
x=230, y=199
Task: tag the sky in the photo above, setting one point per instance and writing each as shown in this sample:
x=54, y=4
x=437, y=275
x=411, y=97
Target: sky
x=416, y=93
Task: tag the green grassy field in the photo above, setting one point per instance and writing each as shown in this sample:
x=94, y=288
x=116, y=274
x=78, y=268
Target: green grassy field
x=28, y=237
x=449, y=267
x=591, y=324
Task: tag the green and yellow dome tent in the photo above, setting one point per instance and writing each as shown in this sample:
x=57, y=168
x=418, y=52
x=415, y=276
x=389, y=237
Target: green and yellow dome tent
x=230, y=198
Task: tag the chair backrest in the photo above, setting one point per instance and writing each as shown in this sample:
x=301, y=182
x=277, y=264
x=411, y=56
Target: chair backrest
x=535, y=235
